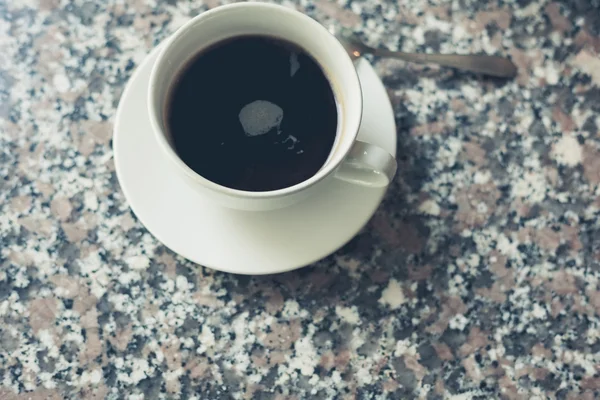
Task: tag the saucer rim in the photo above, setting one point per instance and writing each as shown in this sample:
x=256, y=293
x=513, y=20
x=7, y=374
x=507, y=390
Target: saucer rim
x=244, y=270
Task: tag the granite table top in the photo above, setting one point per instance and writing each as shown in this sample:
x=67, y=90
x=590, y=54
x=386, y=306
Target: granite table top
x=478, y=277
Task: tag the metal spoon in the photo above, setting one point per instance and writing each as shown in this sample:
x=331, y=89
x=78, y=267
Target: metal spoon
x=483, y=64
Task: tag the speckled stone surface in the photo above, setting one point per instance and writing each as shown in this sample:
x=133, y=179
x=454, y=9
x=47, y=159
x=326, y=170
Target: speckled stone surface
x=478, y=277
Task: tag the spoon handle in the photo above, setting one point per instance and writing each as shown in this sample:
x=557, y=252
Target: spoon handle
x=484, y=64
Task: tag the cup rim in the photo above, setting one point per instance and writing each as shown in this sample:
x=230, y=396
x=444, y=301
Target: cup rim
x=351, y=120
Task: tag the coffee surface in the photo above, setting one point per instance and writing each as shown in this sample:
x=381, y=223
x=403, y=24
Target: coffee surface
x=253, y=113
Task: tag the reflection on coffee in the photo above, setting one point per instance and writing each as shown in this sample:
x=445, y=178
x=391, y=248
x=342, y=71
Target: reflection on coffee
x=253, y=113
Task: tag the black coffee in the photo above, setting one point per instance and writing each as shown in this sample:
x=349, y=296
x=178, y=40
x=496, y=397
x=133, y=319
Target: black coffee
x=253, y=113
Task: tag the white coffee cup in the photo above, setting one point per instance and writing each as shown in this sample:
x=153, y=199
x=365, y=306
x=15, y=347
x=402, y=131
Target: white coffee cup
x=350, y=160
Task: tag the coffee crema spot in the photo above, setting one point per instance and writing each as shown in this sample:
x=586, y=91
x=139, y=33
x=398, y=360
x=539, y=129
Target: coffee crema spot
x=259, y=117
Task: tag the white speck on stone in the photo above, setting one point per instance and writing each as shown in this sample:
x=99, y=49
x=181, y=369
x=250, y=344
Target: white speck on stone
x=336, y=377
x=119, y=300
x=173, y=375
x=531, y=185
x=139, y=370
x=283, y=378
x=592, y=335
x=93, y=377
x=552, y=76
x=458, y=322
x=429, y=207
x=392, y=295
x=119, y=362
x=364, y=376
x=259, y=117
x=458, y=33
x=589, y=64
x=291, y=308
x=462, y=396
x=206, y=339
x=419, y=35
x=405, y=347
x=46, y=379
x=433, y=22
x=294, y=64
x=584, y=360
x=547, y=72
x=482, y=177
x=20, y=279
x=348, y=314
x=529, y=11
x=538, y=311
x=506, y=246
x=61, y=82
x=567, y=151
x=482, y=208
x=168, y=285
x=181, y=282
x=97, y=271
x=474, y=260
x=46, y=338
x=471, y=93
x=4, y=308
x=90, y=200
x=126, y=278
x=74, y=337
x=138, y=262
x=306, y=357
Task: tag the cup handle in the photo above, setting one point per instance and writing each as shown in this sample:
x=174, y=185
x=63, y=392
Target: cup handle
x=367, y=165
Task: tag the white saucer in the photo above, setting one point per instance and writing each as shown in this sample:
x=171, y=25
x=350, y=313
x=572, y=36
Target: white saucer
x=242, y=242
